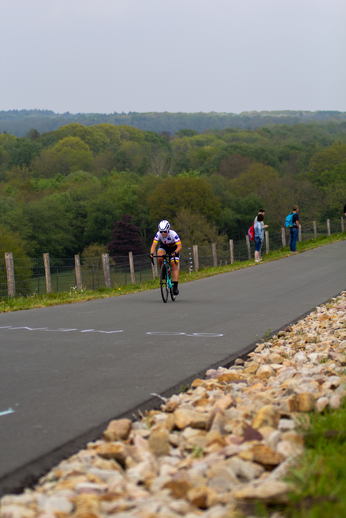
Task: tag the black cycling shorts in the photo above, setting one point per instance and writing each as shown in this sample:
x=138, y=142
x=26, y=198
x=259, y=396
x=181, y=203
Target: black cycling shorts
x=169, y=249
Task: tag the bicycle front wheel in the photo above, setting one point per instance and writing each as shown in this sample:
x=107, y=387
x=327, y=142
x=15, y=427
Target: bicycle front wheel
x=163, y=283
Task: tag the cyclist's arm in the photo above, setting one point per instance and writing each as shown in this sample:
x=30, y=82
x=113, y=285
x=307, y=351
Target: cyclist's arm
x=153, y=247
x=179, y=247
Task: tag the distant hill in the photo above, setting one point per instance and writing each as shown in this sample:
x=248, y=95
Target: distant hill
x=19, y=122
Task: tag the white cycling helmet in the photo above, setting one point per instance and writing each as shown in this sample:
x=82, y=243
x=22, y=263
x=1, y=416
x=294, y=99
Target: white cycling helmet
x=164, y=226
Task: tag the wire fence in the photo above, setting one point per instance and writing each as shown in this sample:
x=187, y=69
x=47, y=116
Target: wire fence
x=30, y=274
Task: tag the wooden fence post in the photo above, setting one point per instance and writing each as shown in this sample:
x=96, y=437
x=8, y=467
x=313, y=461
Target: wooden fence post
x=106, y=270
x=248, y=247
x=328, y=227
x=154, y=268
x=47, y=273
x=195, y=257
x=267, y=241
x=78, y=272
x=11, y=286
x=132, y=268
x=283, y=237
x=231, y=249
x=315, y=229
x=213, y=247
x=342, y=224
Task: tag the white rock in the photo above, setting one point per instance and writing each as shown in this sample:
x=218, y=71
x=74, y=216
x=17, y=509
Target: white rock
x=180, y=506
x=335, y=401
x=16, y=511
x=321, y=403
x=90, y=487
x=246, y=470
x=289, y=449
x=286, y=424
x=332, y=382
x=56, y=504
x=158, y=483
x=271, y=492
x=224, y=471
x=273, y=439
x=23, y=499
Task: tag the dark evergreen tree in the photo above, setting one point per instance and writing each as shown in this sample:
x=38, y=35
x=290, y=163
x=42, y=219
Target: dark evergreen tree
x=126, y=238
x=33, y=134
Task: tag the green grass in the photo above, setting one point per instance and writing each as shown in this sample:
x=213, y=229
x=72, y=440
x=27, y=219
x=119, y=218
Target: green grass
x=320, y=475
x=72, y=296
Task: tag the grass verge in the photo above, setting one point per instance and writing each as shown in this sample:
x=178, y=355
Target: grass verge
x=54, y=299
x=319, y=477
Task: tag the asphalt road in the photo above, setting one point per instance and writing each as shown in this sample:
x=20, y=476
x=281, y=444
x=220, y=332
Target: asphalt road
x=66, y=371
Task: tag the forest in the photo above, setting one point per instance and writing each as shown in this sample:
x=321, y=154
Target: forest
x=20, y=122
x=64, y=191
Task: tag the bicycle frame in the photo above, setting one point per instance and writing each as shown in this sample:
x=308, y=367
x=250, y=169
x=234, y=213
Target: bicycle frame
x=166, y=283
x=168, y=274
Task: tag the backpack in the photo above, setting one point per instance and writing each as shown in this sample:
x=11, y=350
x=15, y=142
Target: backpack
x=251, y=233
x=289, y=220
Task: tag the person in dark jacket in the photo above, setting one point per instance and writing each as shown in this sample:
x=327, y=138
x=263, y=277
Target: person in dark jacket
x=294, y=230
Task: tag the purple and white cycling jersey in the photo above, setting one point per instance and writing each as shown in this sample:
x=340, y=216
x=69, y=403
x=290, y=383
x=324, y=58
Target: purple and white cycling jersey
x=171, y=239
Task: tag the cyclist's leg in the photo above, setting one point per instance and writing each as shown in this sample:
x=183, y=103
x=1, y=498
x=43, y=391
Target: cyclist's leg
x=160, y=252
x=175, y=269
x=175, y=273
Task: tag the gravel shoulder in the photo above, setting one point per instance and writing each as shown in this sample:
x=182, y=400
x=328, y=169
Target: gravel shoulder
x=214, y=450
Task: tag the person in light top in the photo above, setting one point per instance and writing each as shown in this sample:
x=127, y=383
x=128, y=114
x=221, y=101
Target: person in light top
x=264, y=227
x=168, y=241
x=258, y=237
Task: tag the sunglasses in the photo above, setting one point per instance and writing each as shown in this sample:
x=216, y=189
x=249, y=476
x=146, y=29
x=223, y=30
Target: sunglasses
x=164, y=231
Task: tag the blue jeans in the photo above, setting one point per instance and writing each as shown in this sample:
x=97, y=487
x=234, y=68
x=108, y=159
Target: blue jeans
x=258, y=244
x=293, y=240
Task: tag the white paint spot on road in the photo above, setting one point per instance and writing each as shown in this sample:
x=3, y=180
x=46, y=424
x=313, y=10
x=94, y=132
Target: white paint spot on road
x=100, y=331
x=172, y=333
x=5, y=412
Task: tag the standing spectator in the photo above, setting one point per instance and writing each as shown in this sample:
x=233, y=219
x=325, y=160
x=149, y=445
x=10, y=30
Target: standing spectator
x=258, y=237
x=294, y=229
x=261, y=211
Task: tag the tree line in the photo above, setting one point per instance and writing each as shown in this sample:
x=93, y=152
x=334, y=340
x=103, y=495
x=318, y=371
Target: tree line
x=19, y=122
x=65, y=191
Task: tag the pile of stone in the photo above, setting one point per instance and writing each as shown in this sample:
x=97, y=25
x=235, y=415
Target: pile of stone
x=214, y=450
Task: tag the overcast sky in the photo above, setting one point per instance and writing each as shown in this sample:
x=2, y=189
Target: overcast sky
x=108, y=56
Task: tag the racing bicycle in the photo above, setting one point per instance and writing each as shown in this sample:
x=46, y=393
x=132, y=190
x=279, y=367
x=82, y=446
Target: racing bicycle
x=166, y=283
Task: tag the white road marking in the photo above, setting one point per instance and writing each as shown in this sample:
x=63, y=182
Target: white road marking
x=62, y=330
x=31, y=328
x=165, y=333
x=5, y=412
x=69, y=330
x=169, y=333
x=206, y=335
x=100, y=331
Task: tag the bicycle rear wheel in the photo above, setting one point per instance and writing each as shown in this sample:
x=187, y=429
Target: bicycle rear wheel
x=163, y=283
x=173, y=297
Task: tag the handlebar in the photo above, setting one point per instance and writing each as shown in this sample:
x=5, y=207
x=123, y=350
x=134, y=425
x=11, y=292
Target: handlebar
x=162, y=256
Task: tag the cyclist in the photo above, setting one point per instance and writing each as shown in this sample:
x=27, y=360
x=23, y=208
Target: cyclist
x=169, y=242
